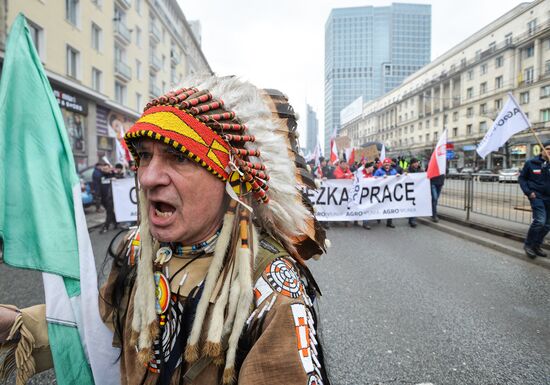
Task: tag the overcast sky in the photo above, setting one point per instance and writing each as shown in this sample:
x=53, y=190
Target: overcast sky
x=280, y=43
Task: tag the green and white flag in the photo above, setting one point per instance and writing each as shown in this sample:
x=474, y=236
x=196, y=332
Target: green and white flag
x=42, y=220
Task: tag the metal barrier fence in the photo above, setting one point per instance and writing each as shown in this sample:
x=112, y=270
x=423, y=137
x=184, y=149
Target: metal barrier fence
x=487, y=194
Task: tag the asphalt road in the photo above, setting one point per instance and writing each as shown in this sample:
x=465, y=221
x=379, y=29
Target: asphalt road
x=411, y=306
x=408, y=306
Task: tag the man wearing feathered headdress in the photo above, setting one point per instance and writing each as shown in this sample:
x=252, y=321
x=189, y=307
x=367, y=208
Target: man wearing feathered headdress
x=212, y=286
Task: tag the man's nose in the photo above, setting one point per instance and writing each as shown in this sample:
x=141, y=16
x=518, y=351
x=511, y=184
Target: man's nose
x=154, y=174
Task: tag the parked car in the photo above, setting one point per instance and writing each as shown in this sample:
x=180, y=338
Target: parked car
x=508, y=175
x=486, y=176
x=452, y=173
x=87, y=197
x=466, y=171
x=87, y=188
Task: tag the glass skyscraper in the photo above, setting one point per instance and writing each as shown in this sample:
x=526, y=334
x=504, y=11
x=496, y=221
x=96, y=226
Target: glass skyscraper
x=371, y=50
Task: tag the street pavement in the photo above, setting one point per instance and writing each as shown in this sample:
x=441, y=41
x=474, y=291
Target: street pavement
x=411, y=306
x=407, y=306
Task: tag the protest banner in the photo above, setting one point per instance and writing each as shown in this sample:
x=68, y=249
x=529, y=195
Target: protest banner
x=125, y=199
x=375, y=198
x=370, y=153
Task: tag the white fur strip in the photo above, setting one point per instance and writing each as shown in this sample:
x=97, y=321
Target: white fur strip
x=212, y=277
x=216, y=319
x=144, y=300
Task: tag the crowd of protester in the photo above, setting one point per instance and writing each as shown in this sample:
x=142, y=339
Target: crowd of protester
x=378, y=168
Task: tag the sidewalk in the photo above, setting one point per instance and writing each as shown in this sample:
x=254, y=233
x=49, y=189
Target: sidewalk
x=93, y=218
x=497, y=234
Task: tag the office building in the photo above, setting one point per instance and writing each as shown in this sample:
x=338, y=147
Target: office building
x=369, y=51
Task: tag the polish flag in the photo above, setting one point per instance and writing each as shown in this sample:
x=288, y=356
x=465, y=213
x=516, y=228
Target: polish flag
x=333, y=152
x=438, y=161
x=350, y=155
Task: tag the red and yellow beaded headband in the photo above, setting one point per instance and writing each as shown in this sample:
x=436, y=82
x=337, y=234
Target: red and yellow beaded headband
x=194, y=123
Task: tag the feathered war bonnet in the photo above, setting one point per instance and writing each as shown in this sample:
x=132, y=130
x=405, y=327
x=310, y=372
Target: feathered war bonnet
x=247, y=138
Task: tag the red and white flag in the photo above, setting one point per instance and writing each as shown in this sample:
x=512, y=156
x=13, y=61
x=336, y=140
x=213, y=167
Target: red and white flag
x=350, y=155
x=438, y=161
x=333, y=151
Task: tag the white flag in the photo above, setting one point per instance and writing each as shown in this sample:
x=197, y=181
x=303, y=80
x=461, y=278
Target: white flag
x=510, y=121
x=383, y=153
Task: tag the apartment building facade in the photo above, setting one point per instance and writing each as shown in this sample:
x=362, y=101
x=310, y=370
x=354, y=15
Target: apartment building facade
x=105, y=59
x=463, y=91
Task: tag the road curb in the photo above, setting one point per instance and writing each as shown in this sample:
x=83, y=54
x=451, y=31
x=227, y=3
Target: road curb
x=494, y=245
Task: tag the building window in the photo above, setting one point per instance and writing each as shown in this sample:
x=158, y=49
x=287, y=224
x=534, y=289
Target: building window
x=532, y=27
x=524, y=97
x=139, y=107
x=71, y=11
x=73, y=62
x=436, y=122
x=499, y=82
x=427, y=137
x=470, y=93
x=545, y=115
x=469, y=112
x=483, y=109
x=455, y=131
x=483, y=69
x=469, y=129
x=498, y=104
x=499, y=62
x=455, y=116
x=120, y=93
x=138, y=7
x=530, y=51
x=545, y=92
x=508, y=39
x=138, y=36
x=482, y=126
x=138, y=70
x=37, y=35
x=96, y=79
x=529, y=75
x=96, y=37
x=547, y=67
x=470, y=74
x=97, y=3
x=492, y=46
x=427, y=124
x=482, y=88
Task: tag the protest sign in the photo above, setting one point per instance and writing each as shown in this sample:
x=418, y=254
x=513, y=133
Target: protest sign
x=375, y=198
x=125, y=199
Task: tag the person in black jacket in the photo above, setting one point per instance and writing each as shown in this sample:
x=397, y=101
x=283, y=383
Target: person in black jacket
x=534, y=180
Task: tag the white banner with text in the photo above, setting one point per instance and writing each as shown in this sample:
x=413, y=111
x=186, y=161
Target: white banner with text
x=125, y=199
x=372, y=198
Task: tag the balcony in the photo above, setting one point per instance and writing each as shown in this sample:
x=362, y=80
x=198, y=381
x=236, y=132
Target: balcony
x=175, y=57
x=155, y=32
x=154, y=90
x=123, y=71
x=126, y=4
x=122, y=33
x=155, y=63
